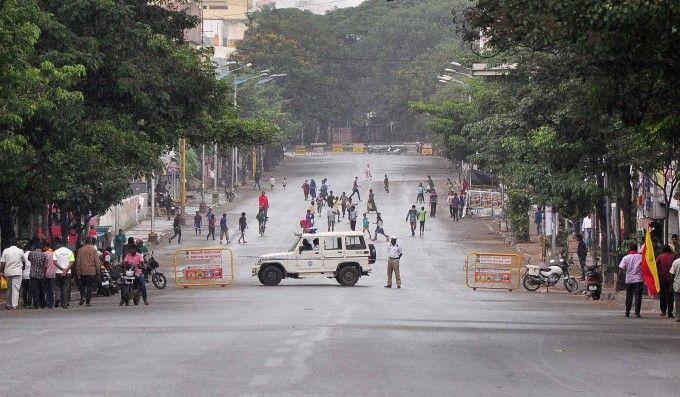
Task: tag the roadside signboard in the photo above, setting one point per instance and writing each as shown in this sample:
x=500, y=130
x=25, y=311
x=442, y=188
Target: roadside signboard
x=203, y=267
x=493, y=271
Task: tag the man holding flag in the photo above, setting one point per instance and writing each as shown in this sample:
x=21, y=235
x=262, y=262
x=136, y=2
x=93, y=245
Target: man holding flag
x=632, y=265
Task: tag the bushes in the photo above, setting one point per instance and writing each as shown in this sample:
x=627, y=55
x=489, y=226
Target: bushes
x=518, y=209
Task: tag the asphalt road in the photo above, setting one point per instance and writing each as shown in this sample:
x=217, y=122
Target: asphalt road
x=312, y=337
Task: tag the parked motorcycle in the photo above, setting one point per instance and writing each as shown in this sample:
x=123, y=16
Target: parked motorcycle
x=593, y=282
x=537, y=276
x=151, y=271
x=129, y=288
x=230, y=194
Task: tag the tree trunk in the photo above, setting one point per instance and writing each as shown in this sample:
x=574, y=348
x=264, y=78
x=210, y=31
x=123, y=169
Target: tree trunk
x=628, y=210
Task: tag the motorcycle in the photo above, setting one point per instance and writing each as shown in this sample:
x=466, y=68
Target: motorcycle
x=129, y=288
x=537, y=276
x=150, y=271
x=107, y=286
x=230, y=194
x=593, y=282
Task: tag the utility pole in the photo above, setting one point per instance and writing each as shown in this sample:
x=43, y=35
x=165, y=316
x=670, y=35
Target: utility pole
x=202, y=206
x=153, y=237
x=216, y=195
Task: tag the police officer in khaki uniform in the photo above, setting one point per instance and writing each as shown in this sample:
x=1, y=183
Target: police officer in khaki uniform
x=394, y=255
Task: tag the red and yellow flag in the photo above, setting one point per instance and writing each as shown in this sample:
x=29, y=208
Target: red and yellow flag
x=649, y=272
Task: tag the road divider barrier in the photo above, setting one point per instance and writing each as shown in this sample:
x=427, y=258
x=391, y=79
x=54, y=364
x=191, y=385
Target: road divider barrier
x=300, y=149
x=493, y=271
x=337, y=148
x=203, y=267
x=359, y=148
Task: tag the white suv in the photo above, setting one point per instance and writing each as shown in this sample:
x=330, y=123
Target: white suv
x=344, y=256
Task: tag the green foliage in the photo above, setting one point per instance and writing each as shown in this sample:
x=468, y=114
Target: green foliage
x=518, y=213
x=373, y=58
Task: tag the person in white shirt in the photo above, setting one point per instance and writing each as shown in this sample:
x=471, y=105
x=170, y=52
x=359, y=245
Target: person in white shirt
x=63, y=259
x=587, y=227
x=394, y=254
x=675, y=272
x=272, y=182
x=11, y=264
x=26, y=280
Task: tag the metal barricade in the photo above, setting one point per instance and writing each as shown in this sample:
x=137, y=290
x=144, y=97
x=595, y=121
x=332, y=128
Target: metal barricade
x=359, y=148
x=493, y=271
x=203, y=267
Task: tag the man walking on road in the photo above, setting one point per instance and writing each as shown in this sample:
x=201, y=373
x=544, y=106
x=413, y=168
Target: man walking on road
x=631, y=265
x=11, y=264
x=242, y=226
x=422, y=215
x=352, y=216
x=198, y=221
x=177, y=229
x=394, y=254
x=379, y=228
x=87, y=267
x=305, y=190
x=343, y=203
x=224, y=230
x=412, y=218
x=211, y=227
x=663, y=264
x=355, y=188
x=433, y=203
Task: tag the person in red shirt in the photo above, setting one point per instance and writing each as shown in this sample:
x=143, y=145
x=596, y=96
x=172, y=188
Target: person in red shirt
x=263, y=201
x=664, y=263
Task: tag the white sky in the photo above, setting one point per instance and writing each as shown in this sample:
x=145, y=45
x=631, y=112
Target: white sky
x=321, y=4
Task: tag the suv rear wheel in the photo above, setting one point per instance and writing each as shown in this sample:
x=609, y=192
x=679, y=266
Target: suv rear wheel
x=348, y=276
x=270, y=276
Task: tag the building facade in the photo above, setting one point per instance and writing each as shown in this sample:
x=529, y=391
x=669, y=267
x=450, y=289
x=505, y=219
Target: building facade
x=223, y=24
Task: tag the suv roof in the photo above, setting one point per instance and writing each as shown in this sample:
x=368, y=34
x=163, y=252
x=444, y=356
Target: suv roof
x=334, y=234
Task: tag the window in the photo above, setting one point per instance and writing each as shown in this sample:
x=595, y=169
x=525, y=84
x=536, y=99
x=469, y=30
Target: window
x=355, y=243
x=333, y=243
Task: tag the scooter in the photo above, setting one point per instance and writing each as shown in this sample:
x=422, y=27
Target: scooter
x=593, y=282
x=537, y=276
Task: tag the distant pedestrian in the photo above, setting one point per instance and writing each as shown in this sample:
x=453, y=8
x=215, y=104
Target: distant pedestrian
x=394, y=254
x=420, y=198
x=284, y=182
x=430, y=183
x=675, y=276
x=422, y=215
x=461, y=205
x=177, y=229
x=11, y=263
x=224, y=229
x=261, y=219
x=26, y=279
x=343, y=203
x=87, y=267
x=538, y=219
x=119, y=244
x=211, y=227
x=355, y=188
x=433, y=203
x=64, y=260
x=631, y=266
x=664, y=262
x=242, y=226
x=272, y=182
x=367, y=171
x=305, y=190
x=379, y=228
x=370, y=204
x=330, y=217
x=309, y=217
x=198, y=222
x=365, y=223
x=449, y=185
x=387, y=184
x=352, y=216
x=587, y=226
x=312, y=188
x=330, y=199
x=412, y=218
x=582, y=253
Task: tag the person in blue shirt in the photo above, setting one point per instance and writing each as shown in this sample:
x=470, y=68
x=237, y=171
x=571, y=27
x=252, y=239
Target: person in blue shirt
x=224, y=230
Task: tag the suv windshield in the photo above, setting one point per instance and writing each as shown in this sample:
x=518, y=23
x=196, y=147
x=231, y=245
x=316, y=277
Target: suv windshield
x=295, y=244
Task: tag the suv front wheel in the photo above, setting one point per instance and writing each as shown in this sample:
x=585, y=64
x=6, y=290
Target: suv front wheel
x=348, y=276
x=270, y=276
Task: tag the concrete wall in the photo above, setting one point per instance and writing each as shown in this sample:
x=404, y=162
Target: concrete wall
x=127, y=214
